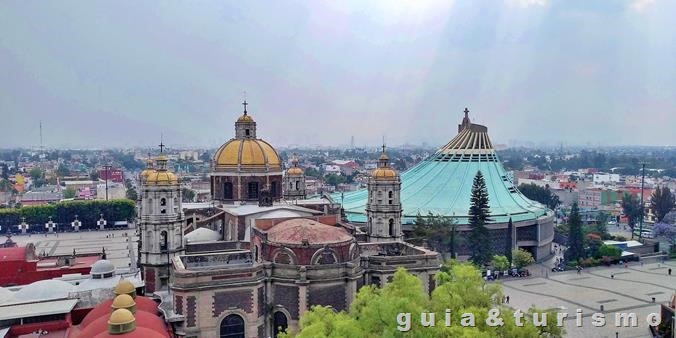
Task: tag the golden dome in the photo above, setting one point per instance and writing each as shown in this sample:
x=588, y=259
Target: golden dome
x=159, y=177
x=120, y=317
x=124, y=287
x=123, y=301
x=383, y=157
x=245, y=118
x=294, y=171
x=246, y=152
x=384, y=173
x=145, y=173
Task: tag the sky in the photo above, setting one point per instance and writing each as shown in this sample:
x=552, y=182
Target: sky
x=316, y=73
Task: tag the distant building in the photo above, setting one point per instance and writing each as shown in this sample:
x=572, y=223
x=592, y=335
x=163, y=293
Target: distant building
x=40, y=198
x=602, y=178
x=332, y=169
x=115, y=175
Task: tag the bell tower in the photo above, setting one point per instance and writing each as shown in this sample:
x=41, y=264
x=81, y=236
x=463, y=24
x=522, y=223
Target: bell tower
x=160, y=224
x=294, y=182
x=383, y=208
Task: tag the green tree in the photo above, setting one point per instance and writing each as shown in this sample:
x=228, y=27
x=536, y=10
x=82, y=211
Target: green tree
x=460, y=289
x=631, y=207
x=662, y=201
x=69, y=193
x=522, y=258
x=500, y=262
x=36, y=174
x=601, y=226
x=479, y=216
x=540, y=194
x=575, y=249
x=188, y=195
x=333, y=179
x=440, y=233
x=132, y=194
x=609, y=251
x=62, y=170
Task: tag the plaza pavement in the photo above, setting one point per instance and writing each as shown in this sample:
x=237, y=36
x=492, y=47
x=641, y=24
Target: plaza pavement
x=631, y=290
x=117, y=247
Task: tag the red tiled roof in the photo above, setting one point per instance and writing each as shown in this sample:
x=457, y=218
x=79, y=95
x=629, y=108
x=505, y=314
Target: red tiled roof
x=103, y=310
x=297, y=230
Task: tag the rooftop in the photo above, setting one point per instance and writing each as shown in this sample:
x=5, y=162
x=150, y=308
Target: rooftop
x=302, y=230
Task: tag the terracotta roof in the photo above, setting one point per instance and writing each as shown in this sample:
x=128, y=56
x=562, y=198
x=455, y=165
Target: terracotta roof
x=103, y=310
x=298, y=230
x=143, y=320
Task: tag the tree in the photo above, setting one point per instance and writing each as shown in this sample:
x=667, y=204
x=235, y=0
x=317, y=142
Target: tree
x=36, y=174
x=94, y=175
x=62, y=170
x=69, y=193
x=575, y=236
x=479, y=215
x=609, y=251
x=188, y=195
x=460, y=288
x=132, y=194
x=668, y=231
x=4, y=170
x=333, y=179
x=540, y=194
x=662, y=201
x=575, y=250
x=509, y=240
x=500, y=262
x=631, y=207
x=440, y=233
x=522, y=258
x=601, y=226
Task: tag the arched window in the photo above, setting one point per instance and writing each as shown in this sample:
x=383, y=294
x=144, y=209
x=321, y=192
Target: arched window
x=163, y=241
x=280, y=323
x=247, y=132
x=163, y=202
x=227, y=191
x=391, y=226
x=283, y=258
x=232, y=326
x=390, y=194
x=297, y=185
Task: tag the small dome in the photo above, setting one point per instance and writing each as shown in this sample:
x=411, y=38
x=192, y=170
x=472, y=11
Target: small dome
x=245, y=118
x=44, y=289
x=121, y=316
x=202, y=235
x=123, y=301
x=102, y=267
x=300, y=230
x=247, y=153
x=294, y=171
x=384, y=173
x=161, y=177
x=383, y=157
x=124, y=287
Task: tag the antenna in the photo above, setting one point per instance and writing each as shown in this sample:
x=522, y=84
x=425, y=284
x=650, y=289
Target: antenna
x=41, y=146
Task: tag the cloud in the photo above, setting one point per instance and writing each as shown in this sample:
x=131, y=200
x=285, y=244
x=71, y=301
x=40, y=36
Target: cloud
x=526, y=3
x=640, y=5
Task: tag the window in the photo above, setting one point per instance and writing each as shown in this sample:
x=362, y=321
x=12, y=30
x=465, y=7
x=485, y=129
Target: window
x=390, y=194
x=391, y=226
x=149, y=241
x=390, y=201
x=255, y=253
x=227, y=191
x=283, y=258
x=297, y=185
x=163, y=241
x=273, y=189
x=247, y=132
x=280, y=323
x=253, y=190
x=163, y=202
x=232, y=326
x=290, y=185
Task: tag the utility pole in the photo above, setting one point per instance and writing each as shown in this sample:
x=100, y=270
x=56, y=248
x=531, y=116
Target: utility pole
x=107, y=167
x=640, y=233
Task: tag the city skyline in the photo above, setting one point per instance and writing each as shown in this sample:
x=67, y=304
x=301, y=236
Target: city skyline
x=548, y=72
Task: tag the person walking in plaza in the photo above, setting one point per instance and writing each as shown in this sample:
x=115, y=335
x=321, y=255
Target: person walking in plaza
x=507, y=299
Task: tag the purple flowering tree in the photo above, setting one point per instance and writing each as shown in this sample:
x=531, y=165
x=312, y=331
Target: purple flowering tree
x=668, y=231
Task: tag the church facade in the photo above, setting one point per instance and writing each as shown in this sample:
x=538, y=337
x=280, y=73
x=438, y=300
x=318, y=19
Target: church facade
x=256, y=262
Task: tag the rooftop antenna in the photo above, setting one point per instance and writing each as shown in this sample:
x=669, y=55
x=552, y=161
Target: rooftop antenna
x=41, y=146
x=244, y=103
x=161, y=143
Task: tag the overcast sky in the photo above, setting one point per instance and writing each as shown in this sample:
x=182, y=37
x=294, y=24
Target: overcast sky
x=120, y=73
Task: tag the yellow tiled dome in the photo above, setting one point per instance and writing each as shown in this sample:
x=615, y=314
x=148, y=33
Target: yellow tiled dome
x=384, y=173
x=294, y=171
x=123, y=301
x=121, y=316
x=245, y=118
x=124, y=287
x=246, y=152
x=157, y=177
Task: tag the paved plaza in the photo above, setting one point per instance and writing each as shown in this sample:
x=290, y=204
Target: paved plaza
x=115, y=242
x=631, y=290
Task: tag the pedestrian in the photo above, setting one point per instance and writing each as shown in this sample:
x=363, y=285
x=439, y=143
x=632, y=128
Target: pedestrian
x=507, y=299
x=626, y=265
x=669, y=271
x=612, y=276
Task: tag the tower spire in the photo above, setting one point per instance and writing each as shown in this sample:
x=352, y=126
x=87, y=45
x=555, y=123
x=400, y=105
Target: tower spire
x=161, y=143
